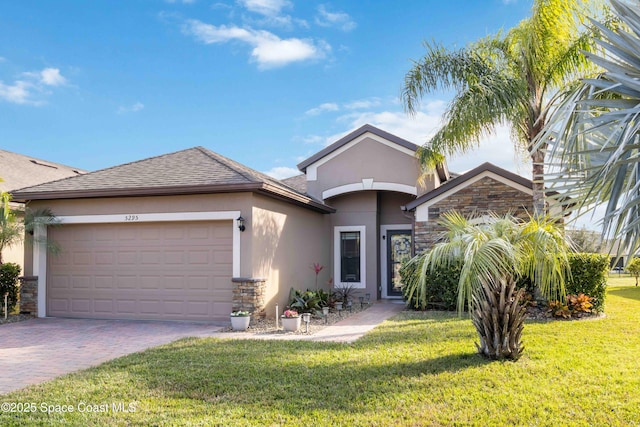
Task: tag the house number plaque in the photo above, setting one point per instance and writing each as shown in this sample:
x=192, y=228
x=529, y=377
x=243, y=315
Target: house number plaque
x=130, y=218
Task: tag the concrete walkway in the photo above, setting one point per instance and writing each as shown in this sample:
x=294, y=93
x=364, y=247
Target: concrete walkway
x=38, y=350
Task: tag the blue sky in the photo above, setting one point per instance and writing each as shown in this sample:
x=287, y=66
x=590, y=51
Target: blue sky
x=265, y=82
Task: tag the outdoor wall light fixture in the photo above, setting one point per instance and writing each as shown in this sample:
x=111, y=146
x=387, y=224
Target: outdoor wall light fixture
x=241, y=226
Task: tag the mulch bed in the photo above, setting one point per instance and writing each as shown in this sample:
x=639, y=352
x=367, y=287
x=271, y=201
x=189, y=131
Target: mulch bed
x=540, y=314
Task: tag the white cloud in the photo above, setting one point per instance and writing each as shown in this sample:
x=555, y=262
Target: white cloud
x=19, y=92
x=282, y=172
x=265, y=7
x=362, y=104
x=30, y=89
x=269, y=51
x=138, y=106
x=334, y=19
x=327, y=106
x=52, y=77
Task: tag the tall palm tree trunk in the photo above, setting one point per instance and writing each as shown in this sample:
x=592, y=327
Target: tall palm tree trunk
x=537, y=160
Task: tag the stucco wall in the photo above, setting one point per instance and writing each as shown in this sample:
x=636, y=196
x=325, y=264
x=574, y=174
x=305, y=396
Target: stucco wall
x=359, y=209
x=390, y=212
x=485, y=195
x=368, y=159
x=287, y=240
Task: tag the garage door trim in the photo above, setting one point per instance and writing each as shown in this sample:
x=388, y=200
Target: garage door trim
x=40, y=253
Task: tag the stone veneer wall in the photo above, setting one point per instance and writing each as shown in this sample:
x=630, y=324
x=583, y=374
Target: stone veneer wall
x=29, y=295
x=248, y=295
x=481, y=197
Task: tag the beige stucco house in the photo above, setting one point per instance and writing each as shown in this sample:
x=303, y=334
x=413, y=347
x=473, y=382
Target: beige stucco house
x=193, y=235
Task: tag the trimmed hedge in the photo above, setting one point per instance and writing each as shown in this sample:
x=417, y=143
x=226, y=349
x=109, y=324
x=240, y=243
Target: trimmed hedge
x=9, y=274
x=440, y=290
x=589, y=276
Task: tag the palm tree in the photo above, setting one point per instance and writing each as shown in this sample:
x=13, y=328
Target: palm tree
x=494, y=252
x=512, y=78
x=14, y=230
x=595, y=135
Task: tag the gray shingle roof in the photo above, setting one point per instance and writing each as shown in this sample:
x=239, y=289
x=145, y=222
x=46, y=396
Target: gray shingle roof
x=191, y=171
x=19, y=170
x=299, y=182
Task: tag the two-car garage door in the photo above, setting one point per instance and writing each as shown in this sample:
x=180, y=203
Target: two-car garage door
x=164, y=271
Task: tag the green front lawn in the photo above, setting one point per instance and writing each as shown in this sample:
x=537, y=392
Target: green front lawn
x=417, y=369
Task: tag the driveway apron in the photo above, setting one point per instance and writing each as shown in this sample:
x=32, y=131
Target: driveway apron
x=38, y=350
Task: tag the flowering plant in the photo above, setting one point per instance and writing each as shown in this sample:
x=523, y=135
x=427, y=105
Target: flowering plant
x=317, y=268
x=290, y=313
x=240, y=313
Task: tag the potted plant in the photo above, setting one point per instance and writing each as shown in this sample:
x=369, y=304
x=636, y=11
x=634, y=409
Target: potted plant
x=240, y=320
x=291, y=320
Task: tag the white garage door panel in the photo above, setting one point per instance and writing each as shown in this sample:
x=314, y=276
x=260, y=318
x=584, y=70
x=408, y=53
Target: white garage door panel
x=175, y=271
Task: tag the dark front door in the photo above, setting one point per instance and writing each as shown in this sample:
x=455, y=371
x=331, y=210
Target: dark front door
x=398, y=251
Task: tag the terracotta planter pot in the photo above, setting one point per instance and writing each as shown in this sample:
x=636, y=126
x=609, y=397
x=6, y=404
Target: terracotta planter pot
x=240, y=323
x=291, y=324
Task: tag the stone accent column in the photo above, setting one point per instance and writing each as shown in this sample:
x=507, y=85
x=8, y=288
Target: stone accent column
x=29, y=295
x=249, y=295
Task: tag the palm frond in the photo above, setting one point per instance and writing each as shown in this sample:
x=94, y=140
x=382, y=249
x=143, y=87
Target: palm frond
x=595, y=148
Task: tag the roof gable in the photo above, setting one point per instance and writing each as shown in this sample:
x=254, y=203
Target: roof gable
x=355, y=136
x=458, y=183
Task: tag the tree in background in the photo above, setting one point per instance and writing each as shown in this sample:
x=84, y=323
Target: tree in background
x=512, y=78
x=634, y=268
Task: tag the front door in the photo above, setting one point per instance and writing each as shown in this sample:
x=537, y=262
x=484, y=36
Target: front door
x=398, y=251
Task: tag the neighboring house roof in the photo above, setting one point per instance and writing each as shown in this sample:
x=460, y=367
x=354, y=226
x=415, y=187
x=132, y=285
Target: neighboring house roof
x=192, y=171
x=19, y=170
x=485, y=169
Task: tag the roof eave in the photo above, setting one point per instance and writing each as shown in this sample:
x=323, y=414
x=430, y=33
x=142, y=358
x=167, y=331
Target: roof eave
x=264, y=188
x=296, y=198
x=130, y=192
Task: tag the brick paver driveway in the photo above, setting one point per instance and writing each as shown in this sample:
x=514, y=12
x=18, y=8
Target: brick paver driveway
x=38, y=350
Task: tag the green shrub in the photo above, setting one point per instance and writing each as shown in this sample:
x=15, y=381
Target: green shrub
x=9, y=274
x=634, y=268
x=439, y=290
x=589, y=276
x=305, y=302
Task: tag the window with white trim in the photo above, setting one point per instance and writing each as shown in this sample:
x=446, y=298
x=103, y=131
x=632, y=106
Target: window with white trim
x=349, y=256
